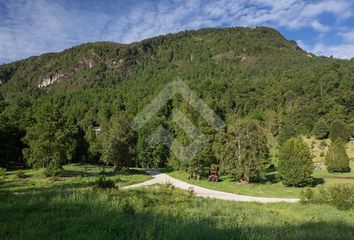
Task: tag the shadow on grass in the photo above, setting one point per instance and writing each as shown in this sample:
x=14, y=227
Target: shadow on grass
x=317, y=181
x=67, y=215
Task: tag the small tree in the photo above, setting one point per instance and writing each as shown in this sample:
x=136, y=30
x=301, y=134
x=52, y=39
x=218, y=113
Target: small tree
x=321, y=129
x=339, y=130
x=118, y=142
x=295, y=163
x=337, y=159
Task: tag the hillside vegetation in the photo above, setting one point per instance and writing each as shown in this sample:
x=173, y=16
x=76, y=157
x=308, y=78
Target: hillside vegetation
x=241, y=73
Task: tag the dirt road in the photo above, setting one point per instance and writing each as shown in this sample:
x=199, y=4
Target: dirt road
x=161, y=178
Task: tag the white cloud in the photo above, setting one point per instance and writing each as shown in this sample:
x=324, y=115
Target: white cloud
x=343, y=51
x=38, y=26
x=348, y=35
x=319, y=26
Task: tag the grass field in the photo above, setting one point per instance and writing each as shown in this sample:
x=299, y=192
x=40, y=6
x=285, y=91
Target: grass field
x=76, y=176
x=160, y=213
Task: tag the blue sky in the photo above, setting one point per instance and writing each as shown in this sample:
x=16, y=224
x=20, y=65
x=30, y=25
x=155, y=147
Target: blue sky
x=33, y=27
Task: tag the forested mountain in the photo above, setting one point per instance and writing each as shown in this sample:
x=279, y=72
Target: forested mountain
x=238, y=72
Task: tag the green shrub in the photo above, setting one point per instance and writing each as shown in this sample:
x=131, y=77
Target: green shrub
x=295, y=163
x=53, y=172
x=105, y=183
x=339, y=130
x=337, y=159
x=341, y=196
x=321, y=129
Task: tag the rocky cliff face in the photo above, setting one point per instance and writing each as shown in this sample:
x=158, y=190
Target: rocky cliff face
x=50, y=80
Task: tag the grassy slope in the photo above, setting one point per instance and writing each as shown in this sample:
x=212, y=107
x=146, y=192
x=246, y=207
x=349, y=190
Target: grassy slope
x=277, y=189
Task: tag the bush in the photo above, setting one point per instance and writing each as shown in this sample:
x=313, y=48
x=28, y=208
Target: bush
x=339, y=130
x=341, y=196
x=295, y=163
x=321, y=129
x=337, y=159
x=307, y=195
x=2, y=173
x=105, y=183
x=53, y=172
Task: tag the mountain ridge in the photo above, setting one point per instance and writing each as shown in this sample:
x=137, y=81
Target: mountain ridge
x=122, y=58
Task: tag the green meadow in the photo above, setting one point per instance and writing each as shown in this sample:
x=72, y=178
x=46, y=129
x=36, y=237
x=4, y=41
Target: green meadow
x=72, y=206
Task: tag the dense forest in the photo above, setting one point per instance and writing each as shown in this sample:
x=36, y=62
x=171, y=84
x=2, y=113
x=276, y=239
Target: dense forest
x=258, y=82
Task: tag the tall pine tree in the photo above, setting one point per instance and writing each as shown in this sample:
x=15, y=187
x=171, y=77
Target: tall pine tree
x=295, y=163
x=337, y=159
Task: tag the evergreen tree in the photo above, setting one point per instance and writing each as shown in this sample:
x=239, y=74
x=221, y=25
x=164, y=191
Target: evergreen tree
x=118, y=142
x=51, y=139
x=295, y=163
x=243, y=151
x=321, y=129
x=337, y=159
x=339, y=130
x=200, y=164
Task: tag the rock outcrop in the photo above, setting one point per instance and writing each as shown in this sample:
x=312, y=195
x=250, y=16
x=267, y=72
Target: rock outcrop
x=50, y=80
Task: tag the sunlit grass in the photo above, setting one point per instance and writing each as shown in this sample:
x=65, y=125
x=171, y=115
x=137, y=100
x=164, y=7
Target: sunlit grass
x=74, y=176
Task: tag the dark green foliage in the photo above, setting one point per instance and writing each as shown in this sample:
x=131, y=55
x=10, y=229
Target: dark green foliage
x=243, y=151
x=200, y=164
x=341, y=196
x=105, y=183
x=53, y=171
x=321, y=129
x=238, y=72
x=150, y=156
x=118, y=142
x=286, y=133
x=295, y=163
x=337, y=159
x=339, y=130
x=50, y=139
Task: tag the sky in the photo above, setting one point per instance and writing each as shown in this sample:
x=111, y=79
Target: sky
x=33, y=27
